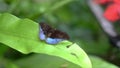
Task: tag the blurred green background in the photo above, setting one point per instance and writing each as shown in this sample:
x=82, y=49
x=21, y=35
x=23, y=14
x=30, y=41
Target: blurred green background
x=71, y=16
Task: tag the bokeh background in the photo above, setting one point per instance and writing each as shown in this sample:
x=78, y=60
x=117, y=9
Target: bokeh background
x=71, y=16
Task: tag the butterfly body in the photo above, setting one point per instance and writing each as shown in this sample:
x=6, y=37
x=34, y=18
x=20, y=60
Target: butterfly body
x=50, y=35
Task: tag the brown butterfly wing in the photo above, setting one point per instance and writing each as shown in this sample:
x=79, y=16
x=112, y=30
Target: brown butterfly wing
x=47, y=29
x=59, y=34
x=52, y=33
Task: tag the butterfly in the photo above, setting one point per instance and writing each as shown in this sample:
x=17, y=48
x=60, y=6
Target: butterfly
x=51, y=35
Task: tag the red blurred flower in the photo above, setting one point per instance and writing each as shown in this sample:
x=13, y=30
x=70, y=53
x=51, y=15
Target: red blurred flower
x=116, y=1
x=102, y=1
x=112, y=13
x=106, y=1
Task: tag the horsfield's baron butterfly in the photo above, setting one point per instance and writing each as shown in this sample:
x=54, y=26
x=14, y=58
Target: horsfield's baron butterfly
x=51, y=35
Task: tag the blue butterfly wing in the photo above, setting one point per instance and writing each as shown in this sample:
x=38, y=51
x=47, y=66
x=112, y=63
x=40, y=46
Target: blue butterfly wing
x=42, y=35
x=53, y=40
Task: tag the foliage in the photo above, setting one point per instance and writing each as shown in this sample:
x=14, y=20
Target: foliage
x=71, y=16
x=22, y=35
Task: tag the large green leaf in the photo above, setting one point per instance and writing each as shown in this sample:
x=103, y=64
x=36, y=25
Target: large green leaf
x=100, y=63
x=5, y=63
x=44, y=61
x=23, y=35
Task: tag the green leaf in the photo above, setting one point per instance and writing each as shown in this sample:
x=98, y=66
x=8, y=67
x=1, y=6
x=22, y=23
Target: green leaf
x=59, y=4
x=23, y=35
x=44, y=61
x=3, y=49
x=5, y=63
x=100, y=63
